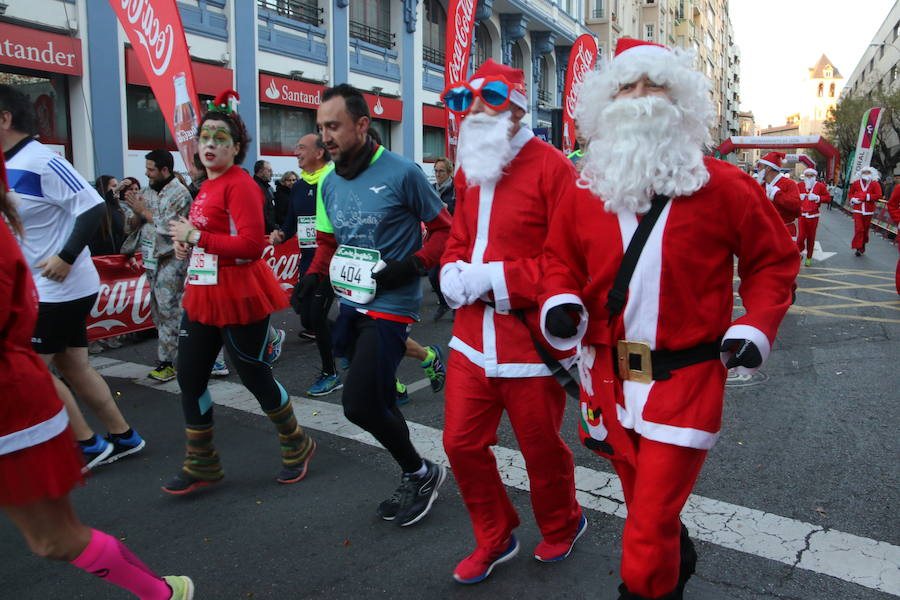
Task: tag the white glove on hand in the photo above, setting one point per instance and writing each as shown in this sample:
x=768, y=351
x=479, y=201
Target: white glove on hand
x=771, y=190
x=452, y=286
x=476, y=279
x=814, y=197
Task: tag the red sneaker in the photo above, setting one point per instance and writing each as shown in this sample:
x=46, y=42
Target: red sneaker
x=478, y=565
x=548, y=552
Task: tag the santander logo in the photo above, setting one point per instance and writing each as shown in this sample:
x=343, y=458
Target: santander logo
x=379, y=108
x=460, y=56
x=157, y=40
x=272, y=92
x=583, y=62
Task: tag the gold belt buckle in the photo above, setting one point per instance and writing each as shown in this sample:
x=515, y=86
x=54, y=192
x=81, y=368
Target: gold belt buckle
x=625, y=349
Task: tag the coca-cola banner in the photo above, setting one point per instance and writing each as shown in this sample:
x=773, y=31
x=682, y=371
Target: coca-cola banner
x=460, y=24
x=581, y=60
x=155, y=31
x=123, y=304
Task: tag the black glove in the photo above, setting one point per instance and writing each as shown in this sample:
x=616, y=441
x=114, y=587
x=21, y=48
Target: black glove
x=308, y=285
x=746, y=354
x=399, y=272
x=562, y=321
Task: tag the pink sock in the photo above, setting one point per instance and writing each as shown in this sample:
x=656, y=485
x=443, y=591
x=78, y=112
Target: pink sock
x=108, y=558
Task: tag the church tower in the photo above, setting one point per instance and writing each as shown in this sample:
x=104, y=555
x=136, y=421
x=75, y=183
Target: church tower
x=823, y=90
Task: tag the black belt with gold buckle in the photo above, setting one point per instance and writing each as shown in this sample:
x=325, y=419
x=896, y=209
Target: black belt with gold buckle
x=635, y=361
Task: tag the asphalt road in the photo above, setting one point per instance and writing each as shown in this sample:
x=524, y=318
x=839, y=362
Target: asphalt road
x=812, y=440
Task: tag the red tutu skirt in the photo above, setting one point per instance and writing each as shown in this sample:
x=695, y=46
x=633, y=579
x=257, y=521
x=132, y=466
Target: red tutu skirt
x=244, y=294
x=49, y=470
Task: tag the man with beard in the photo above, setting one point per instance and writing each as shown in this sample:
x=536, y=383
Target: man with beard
x=812, y=193
x=507, y=188
x=783, y=192
x=655, y=351
x=864, y=193
x=369, y=211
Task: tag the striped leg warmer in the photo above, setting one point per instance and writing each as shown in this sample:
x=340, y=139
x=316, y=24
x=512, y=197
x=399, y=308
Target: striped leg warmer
x=295, y=443
x=201, y=459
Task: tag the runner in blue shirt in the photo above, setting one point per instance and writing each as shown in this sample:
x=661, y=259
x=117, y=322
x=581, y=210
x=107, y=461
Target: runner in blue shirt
x=369, y=216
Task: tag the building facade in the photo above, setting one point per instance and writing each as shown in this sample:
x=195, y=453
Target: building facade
x=701, y=25
x=95, y=105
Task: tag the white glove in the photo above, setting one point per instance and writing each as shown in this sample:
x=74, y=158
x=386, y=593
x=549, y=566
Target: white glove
x=771, y=190
x=476, y=279
x=803, y=196
x=855, y=201
x=452, y=286
x=814, y=197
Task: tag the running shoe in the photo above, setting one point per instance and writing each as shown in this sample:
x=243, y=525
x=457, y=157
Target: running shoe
x=273, y=348
x=124, y=444
x=388, y=509
x=113, y=342
x=808, y=262
x=294, y=473
x=95, y=451
x=549, y=552
x=184, y=483
x=220, y=369
x=434, y=368
x=478, y=565
x=344, y=363
x=306, y=335
x=181, y=585
x=164, y=372
x=402, y=394
x=417, y=494
x=324, y=385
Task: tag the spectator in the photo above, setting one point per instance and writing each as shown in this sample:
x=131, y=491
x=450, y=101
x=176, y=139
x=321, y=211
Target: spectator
x=283, y=195
x=262, y=175
x=443, y=185
x=198, y=176
x=111, y=233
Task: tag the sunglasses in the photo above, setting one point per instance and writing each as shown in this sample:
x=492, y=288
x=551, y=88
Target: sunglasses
x=493, y=91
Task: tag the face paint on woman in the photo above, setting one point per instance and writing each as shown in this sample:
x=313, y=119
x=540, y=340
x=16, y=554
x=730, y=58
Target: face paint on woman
x=217, y=147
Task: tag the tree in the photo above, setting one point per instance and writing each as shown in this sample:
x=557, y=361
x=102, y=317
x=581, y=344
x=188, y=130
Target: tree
x=842, y=127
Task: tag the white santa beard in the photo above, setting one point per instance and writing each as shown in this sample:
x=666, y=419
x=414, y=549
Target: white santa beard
x=642, y=146
x=485, y=147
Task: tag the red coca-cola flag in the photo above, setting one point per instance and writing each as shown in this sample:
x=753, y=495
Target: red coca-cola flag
x=155, y=31
x=582, y=59
x=123, y=302
x=460, y=24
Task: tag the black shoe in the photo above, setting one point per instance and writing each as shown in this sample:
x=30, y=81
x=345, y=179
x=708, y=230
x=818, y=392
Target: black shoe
x=417, y=494
x=442, y=310
x=388, y=509
x=688, y=558
x=624, y=594
x=183, y=483
x=307, y=336
x=858, y=253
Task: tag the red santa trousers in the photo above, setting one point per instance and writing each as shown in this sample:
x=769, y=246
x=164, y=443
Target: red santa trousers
x=535, y=405
x=861, y=224
x=807, y=236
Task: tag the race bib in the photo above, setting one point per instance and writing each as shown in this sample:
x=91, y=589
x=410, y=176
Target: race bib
x=204, y=268
x=148, y=248
x=306, y=231
x=351, y=273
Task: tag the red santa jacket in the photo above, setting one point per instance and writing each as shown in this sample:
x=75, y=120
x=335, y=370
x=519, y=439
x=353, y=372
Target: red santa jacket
x=811, y=197
x=893, y=205
x=863, y=197
x=680, y=295
x=786, y=197
x=505, y=225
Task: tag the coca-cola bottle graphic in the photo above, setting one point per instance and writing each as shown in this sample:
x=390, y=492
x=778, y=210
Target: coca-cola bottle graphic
x=185, y=122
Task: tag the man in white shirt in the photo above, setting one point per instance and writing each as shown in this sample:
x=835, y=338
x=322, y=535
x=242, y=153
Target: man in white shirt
x=60, y=212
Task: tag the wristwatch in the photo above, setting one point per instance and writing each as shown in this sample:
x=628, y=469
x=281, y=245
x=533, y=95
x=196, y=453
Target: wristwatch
x=194, y=237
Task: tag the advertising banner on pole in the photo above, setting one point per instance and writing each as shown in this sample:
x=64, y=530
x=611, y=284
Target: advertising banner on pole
x=460, y=24
x=155, y=31
x=582, y=59
x=868, y=135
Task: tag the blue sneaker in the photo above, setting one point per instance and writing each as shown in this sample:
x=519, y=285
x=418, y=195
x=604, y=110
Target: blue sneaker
x=123, y=444
x=273, y=348
x=324, y=385
x=344, y=363
x=95, y=452
x=220, y=369
x=434, y=368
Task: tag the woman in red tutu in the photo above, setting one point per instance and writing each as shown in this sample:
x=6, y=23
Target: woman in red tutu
x=229, y=295
x=39, y=460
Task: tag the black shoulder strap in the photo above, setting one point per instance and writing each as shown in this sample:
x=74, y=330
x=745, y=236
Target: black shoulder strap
x=615, y=301
x=568, y=379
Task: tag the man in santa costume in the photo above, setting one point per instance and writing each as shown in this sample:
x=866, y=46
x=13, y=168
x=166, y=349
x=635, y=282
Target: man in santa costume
x=654, y=358
x=779, y=188
x=812, y=193
x=864, y=192
x=507, y=187
x=893, y=207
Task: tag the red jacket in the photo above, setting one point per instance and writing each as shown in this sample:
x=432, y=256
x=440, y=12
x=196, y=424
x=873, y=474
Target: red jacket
x=786, y=197
x=506, y=225
x=893, y=205
x=862, y=198
x=810, y=198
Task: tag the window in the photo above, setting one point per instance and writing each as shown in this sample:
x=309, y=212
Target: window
x=281, y=126
x=598, y=11
x=49, y=97
x=306, y=11
x=432, y=143
x=710, y=16
x=434, y=32
x=544, y=93
x=821, y=90
x=829, y=73
x=370, y=21
x=483, y=49
x=710, y=43
x=517, y=61
x=383, y=128
x=831, y=91
x=680, y=11
x=648, y=32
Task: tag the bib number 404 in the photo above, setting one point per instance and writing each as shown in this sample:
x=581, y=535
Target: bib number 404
x=351, y=274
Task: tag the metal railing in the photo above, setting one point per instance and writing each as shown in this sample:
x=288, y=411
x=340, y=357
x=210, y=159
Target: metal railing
x=433, y=55
x=297, y=10
x=372, y=35
x=544, y=96
x=599, y=13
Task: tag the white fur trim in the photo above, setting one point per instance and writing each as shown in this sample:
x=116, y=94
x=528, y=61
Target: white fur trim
x=643, y=50
x=747, y=332
x=519, y=99
x=813, y=171
x=564, y=343
x=498, y=286
x=34, y=435
x=773, y=165
x=505, y=370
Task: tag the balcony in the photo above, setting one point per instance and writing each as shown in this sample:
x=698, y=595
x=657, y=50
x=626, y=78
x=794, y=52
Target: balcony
x=433, y=55
x=598, y=13
x=544, y=96
x=372, y=35
x=296, y=10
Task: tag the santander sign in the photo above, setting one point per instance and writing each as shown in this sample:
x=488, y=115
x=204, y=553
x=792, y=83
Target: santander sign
x=157, y=40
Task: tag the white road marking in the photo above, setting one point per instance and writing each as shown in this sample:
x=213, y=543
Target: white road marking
x=863, y=561
x=819, y=254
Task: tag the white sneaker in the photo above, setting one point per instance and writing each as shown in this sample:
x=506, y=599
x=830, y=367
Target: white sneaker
x=220, y=369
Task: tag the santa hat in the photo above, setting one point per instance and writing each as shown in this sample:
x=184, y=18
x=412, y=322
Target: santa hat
x=226, y=101
x=773, y=159
x=875, y=174
x=518, y=95
x=812, y=172
x=688, y=88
